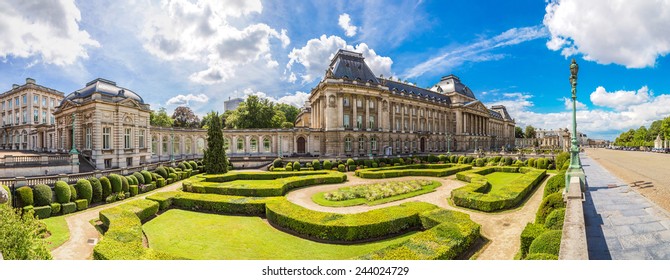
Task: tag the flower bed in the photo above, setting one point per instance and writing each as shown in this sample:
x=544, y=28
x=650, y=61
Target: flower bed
x=374, y=194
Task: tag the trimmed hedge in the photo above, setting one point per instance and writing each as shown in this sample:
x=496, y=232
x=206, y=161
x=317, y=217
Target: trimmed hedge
x=541, y=257
x=278, y=187
x=68, y=208
x=147, y=176
x=124, y=184
x=25, y=196
x=448, y=235
x=555, y=184
x=84, y=190
x=115, y=181
x=55, y=209
x=133, y=189
x=160, y=182
x=222, y=204
x=432, y=170
x=548, y=204
x=82, y=204
x=140, y=177
x=479, y=194
x=555, y=219
x=73, y=193
x=529, y=233
x=352, y=227
x=42, y=212
x=161, y=171
x=547, y=243
x=97, y=189
x=42, y=195
x=106, y=187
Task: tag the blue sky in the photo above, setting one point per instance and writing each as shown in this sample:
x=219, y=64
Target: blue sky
x=200, y=53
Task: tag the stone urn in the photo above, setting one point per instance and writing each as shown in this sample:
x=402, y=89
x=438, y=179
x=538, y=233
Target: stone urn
x=4, y=196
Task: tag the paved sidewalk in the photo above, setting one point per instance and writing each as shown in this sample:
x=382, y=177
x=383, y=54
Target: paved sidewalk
x=621, y=224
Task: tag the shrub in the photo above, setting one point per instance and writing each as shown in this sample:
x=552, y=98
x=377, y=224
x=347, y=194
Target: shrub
x=555, y=219
x=183, y=166
x=555, y=184
x=433, y=170
x=508, y=161
x=115, y=181
x=42, y=195
x=161, y=171
x=73, y=193
x=42, y=212
x=68, y=208
x=124, y=184
x=479, y=162
x=133, y=189
x=272, y=188
x=549, y=203
x=566, y=165
x=327, y=165
x=160, y=182
x=55, y=208
x=529, y=233
x=541, y=257
x=140, y=178
x=84, y=190
x=106, y=187
x=193, y=164
x=146, y=176
x=62, y=190
x=277, y=163
x=296, y=166
x=82, y=204
x=133, y=181
x=316, y=164
x=25, y=196
x=97, y=189
x=289, y=167
x=561, y=159
x=547, y=243
x=20, y=238
x=531, y=162
x=341, y=168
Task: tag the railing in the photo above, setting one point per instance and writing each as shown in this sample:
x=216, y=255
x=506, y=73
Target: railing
x=34, y=160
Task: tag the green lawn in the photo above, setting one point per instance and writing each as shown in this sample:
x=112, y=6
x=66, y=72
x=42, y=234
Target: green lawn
x=195, y=235
x=497, y=179
x=321, y=200
x=59, y=231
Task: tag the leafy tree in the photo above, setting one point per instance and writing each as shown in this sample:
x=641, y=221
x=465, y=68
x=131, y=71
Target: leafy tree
x=665, y=128
x=20, y=236
x=654, y=130
x=530, y=132
x=287, y=125
x=291, y=112
x=204, y=123
x=184, y=117
x=518, y=132
x=161, y=119
x=215, y=155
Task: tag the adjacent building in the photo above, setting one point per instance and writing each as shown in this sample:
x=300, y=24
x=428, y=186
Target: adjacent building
x=232, y=104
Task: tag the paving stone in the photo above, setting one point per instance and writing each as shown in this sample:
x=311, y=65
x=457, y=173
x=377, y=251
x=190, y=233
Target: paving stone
x=634, y=212
x=665, y=223
x=663, y=236
x=660, y=252
x=621, y=230
x=639, y=240
x=636, y=254
x=648, y=227
x=618, y=221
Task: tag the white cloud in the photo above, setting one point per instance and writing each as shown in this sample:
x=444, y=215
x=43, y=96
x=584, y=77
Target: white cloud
x=476, y=52
x=315, y=57
x=568, y=104
x=620, y=99
x=202, y=32
x=46, y=29
x=595, y=123
x=185, y=99
x=297, y=99
x=630, y=33
x=345, y=22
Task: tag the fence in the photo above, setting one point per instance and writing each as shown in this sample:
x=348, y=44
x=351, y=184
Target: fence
x=34, y=160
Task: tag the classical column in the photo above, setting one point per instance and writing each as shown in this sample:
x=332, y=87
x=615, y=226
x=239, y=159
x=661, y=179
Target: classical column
x=459, y=122
x=392, y=108
x=402, y=118
x=354, y=118
x=366, y=119
x=379, y=120
x=340, y=111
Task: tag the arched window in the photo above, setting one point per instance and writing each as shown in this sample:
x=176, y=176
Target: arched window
x=347, y=144
x=164, y=149
x=240, y=145
x=188, y=147
x=154, y=145
x=254, y=145
x=226, y=144
x=175, y=146
x=266, y=145
x=200, y=146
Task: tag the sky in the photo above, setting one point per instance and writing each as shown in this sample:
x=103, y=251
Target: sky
x=200, y=53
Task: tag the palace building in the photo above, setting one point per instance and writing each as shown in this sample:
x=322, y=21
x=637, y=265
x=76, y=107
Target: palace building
x=350, y=113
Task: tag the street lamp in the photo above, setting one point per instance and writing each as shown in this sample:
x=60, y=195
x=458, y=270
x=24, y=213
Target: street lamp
x=73, y=151
x=575, y=169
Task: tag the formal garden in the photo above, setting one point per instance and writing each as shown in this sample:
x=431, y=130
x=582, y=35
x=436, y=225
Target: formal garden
x=220, y=214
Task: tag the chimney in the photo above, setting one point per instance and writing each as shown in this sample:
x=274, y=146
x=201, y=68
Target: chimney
x=30, y=81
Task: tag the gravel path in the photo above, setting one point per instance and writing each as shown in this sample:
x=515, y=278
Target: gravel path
x=502, y=229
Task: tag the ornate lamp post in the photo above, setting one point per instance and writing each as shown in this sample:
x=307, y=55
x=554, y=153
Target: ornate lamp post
x=575, y=169
x=73, y=151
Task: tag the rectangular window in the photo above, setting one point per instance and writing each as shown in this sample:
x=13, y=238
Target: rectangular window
x=16, y=119
x=397, y=109
x=371, y=121
x=36, y=115
x=9, y=119
x=397, y=124
x=127, y=138
x=44, y=117
x=36, y=100
x=141, y=138
x=346, y=121
x=359, y=103
x=44, y=101
x=53, y=119
x=108, y=163
x=359, y=122
x=346, y=101
x=372, y=104
x=25, y=99
x=88, y=138
x=16, y=102
x=106, y=138
x=25, y=116
x=2, y=107
x=52, y=102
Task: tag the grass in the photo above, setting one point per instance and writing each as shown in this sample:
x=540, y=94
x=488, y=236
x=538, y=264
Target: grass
x=213, y=237
x=498, y=179
x=321, y=200
x=60, y=233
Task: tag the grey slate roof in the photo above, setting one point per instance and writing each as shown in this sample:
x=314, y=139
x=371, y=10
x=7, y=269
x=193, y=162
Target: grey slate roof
x=351, y=66
x=398, y=87
x=104, y=87
x=495, y=114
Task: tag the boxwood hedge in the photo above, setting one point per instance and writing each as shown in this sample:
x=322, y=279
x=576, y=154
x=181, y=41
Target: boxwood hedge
x=42, y=195
x=140, y=177
x=548, y=242
x=432, y=170
x=42, y=212
x=97, y=189
x=68, y=208
x=106, y=187
x=479, y=194
x=548, y=204
x=222, y=204
x=25, y=196
x=253, y=186
x=115, y=181
x=62, y=190
x=529, y=233
x=82, y=204
x=124, y=184
x=84, y=190
x=147, y=176
x=73, y=193
x=55, y=208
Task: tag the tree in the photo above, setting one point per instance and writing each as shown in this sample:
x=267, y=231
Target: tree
x=215, y=155
x=184, y=117
x=291, y=112
x=518, y=132
x=204, y=123
x=254, y=112
x=665, y=128
x=160, y=119
x=530, y=132
x=654, y=130
x=20, y=236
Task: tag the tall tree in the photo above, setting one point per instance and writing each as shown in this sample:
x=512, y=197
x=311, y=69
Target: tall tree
x=215, y=155
x=665, y=128
x=204, y=123
x=184, y=117
x=160, y=118
x=290, y=112
x=530, y=132
x=518, y=132
x=254, y=112
x=654, y=130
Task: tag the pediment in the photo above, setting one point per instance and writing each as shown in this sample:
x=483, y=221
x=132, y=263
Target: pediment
x=477, y=105
x=129, y=103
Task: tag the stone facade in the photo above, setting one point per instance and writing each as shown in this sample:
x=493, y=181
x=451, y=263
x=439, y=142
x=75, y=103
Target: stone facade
x=558, y=139
x=27, y=114
x=659, y=143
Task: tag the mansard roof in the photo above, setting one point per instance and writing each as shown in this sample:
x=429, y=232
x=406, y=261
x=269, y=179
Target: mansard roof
x=451, y=83
x=351, y=66
x=399, y=87
x=106, y=88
